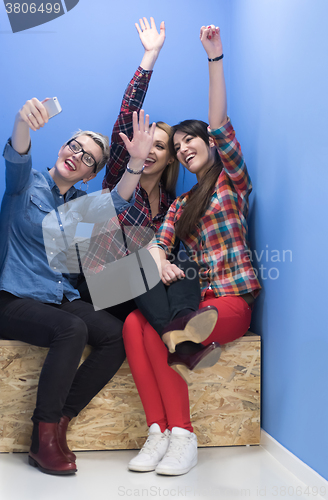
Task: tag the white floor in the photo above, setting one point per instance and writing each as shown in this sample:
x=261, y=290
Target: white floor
x=221, y=473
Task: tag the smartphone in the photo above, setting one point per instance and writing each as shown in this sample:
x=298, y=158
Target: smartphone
x=52, y=106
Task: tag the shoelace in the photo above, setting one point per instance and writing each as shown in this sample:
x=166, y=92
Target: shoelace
x=177, y=446
x=151, y=443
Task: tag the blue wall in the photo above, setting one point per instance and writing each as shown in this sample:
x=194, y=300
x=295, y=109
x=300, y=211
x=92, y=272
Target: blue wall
x=279, y=106
x=86, y=58
x=275, y=63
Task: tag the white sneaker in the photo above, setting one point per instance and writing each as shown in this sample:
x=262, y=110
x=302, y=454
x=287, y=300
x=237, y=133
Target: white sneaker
x=152, y=451
x=181, y=455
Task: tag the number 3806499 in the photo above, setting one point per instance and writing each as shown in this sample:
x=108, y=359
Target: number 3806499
x=25, y=8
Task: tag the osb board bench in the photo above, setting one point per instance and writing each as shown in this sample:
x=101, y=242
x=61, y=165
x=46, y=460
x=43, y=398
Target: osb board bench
x=224, y=401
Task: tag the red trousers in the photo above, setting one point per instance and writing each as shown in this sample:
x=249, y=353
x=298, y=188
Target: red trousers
x=164, y=394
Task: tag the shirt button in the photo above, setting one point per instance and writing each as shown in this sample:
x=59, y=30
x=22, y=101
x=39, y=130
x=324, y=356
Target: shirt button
x=51, y=253
x=59, y=281
x=61, y=225
x=53, y=239
x=55, y=267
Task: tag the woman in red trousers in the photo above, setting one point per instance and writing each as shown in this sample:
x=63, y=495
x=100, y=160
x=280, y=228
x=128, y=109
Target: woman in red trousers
x=210, y=220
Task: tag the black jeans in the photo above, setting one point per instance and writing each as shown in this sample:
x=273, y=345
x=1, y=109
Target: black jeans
x=65, y=389
x=161, y=303
x=120, y=311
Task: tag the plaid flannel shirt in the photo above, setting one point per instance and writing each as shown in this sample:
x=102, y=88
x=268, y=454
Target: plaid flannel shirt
x=219, y=242
x=134, y=227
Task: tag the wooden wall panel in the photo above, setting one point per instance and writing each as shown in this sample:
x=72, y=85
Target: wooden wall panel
x=224, y=401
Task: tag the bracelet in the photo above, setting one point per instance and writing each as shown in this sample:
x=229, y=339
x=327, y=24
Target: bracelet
x=215, y=59
x=133, y=171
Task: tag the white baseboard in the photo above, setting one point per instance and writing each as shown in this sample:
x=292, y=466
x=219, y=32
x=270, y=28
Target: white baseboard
x=302, y=471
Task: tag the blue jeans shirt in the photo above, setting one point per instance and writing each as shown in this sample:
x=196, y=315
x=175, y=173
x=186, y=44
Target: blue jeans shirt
x=30, y=196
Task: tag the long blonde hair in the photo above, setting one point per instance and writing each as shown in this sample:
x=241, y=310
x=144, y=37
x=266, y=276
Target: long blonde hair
x=171, y=173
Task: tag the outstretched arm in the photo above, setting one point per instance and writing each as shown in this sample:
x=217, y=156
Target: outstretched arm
x=151, y=40
x=225, y=140
x=211, y=40
x=32, y=115
x=133, y=99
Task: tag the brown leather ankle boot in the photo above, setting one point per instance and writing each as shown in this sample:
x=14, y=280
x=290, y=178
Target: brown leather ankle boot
x=47, y=454
x=62, y=429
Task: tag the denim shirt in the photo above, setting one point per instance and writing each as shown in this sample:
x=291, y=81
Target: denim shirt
x=29, y=197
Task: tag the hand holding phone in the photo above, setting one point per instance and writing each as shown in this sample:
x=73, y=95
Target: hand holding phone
x=52, y=106
x=37, y=113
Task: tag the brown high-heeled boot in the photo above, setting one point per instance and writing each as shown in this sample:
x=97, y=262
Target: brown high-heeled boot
x=184, y=363
x=195, y=327
x=62, y=429
x=46, y=454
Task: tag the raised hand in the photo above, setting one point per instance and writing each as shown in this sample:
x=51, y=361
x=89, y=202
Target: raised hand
x=142, y=139
x=217, y=111
x=211, y=40
x=138, y=148
x=34, y=114
x=149, y=36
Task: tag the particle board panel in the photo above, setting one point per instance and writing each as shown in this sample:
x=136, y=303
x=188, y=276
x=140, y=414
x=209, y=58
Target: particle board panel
x=224, y=401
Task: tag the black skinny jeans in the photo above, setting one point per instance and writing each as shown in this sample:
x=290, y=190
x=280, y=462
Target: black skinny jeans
x=161, y=303
x=65, y=389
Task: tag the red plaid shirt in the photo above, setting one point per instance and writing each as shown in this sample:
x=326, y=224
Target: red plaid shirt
x=134, y=227
x=219, y=242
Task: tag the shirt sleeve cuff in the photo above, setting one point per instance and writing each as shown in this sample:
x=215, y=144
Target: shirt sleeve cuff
x=143, y=71
x=120, y=203
x=155, y=244
x=11, y=155
x=225, y=130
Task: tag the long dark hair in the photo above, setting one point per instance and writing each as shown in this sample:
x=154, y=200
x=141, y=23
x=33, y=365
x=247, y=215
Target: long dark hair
x=200, y=197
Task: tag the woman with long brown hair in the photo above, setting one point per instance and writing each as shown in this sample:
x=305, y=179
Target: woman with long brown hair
x=210, y=220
